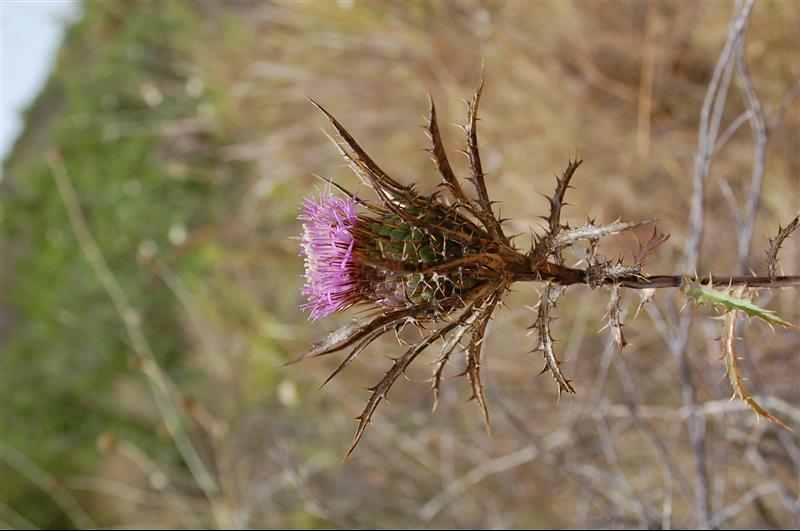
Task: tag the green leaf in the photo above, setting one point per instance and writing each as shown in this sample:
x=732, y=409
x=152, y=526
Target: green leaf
x=707, y=294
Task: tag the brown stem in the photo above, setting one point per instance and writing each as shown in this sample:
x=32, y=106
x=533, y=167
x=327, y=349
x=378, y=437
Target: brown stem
x=568, y=276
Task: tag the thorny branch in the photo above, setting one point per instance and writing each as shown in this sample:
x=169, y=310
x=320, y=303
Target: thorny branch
x=478, y=178
x=775, y=245
x=550, y=294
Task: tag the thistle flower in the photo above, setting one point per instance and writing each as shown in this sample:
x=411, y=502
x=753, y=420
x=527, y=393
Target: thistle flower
x=332, y=273
x=441, y=262
x=381, y=259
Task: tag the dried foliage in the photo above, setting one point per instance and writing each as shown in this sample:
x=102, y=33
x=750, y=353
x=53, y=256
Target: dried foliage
x=613, y=314
x=733, y=373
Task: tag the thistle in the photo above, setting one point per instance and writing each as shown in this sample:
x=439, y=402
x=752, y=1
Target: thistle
x=441, y=262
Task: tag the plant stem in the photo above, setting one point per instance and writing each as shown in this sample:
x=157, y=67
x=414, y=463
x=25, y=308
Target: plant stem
x=568, y=276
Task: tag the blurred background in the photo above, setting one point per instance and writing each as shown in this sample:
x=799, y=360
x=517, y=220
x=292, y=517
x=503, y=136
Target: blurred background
x=142, y=380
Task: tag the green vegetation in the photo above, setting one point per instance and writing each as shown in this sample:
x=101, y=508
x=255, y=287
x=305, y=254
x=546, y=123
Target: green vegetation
x=113, y=108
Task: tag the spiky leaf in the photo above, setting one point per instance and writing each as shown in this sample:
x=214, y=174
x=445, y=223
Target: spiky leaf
x=732, y=371
x=731, y=302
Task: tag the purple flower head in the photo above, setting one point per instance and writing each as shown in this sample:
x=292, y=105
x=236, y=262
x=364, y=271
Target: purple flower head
x=332, y=272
